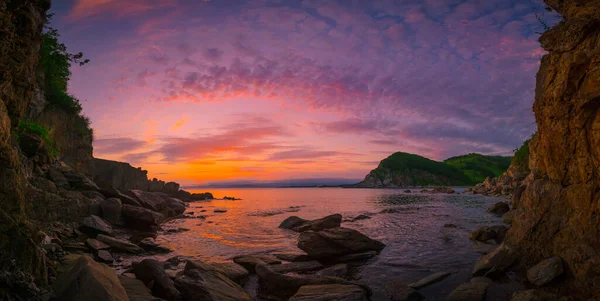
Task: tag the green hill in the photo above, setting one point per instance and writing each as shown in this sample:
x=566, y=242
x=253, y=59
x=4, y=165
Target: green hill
x=404, y=169
x=477, y=167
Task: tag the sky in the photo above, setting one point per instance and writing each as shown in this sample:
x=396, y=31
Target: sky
x=205, y=91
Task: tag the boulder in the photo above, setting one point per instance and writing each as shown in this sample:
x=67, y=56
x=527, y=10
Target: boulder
x=104, y=256
x=339, y=270
x=536, y=295
x=360, y=217
x=498, y=260
x=153, y=275
x=141, y=218
x=355, y=257
x=433, y=278
x=399, y=292
x=292, y=257
x=468, y=292
x=91, y=281
x=336, y=242
x=442, y=190
x=297, y=267
x=292, y=222
x=96, y=245
x=150, y=245
x=249, y=262
x=159, y=202
x=111, y=210
x=499, y=208
x=136, y=290
x=94, y=225
x=328, y=222
x=328, y=292
x=484, y=234
x=281, y=287
x=508, y=217
x=545, y=271
x=201, y=285
x=120, y=245
x=230, y=270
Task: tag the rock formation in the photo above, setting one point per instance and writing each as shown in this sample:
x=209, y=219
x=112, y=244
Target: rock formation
x=559, y=208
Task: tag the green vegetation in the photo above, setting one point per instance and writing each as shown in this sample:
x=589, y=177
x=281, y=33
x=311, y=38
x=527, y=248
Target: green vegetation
x=34, y=128
x=417, y=168
x=521, y=157
x=477, y=167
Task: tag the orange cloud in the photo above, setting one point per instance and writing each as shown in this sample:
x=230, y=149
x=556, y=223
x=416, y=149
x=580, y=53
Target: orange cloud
x=90, y=8
x=179, y=123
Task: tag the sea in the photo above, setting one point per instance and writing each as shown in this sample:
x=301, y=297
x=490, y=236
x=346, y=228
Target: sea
x=425, y=233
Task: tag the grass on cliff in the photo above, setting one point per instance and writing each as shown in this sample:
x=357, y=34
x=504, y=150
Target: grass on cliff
x=35, y=128
x=404, y=163
x=477, y=167
x=521, y=157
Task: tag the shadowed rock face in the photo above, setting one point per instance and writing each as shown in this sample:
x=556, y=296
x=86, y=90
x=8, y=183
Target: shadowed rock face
x=560, y=206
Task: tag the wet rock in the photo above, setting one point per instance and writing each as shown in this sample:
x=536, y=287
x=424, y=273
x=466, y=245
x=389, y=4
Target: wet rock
x=96, y=245
x=292, y=257
x=150, y=245
x=336, y=242
x=281, y=287
x=449, y=226
x=331, y=221
x=328, y=292
x=141, y=218
x=297, y=267
x=159, y=202
x=498, y=260
x=389, y=210
x=292, y=222
x=442, y=190
x=111, y=210
x=94, y=225
x=339, y=270
x=433, y=278
x=199, y=285
x=360, y=217
x=536, y=295
x=355, y=257
x=407, y=191
x=89, y=280
x=136, y=290
x=468, y=292
x=398, y=292
x=545, y=271
x=231, y=270
x=151, y=271
x=120, y=245
x=499, y=208
x=220, y=210
x=249, y=262
x=104, y=256
x=484, y=234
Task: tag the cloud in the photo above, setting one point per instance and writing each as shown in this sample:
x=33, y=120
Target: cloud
x=179, y=123
x=116, y=145
x=306, y=154
x=89, y=8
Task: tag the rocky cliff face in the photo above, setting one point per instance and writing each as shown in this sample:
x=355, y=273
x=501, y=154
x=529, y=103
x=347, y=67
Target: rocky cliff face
x=21, y=23
x=123, y=176
x=559, y=208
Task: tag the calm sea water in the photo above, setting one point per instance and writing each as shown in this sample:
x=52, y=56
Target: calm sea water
x=417, y=241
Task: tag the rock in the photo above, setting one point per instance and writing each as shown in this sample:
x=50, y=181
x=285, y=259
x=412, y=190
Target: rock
x=249, y=262
x=96, y=245
x=407, y=191
x=200, y=285
x=292, y=222
x=498, y=260
x=449, y=226
x=331, y=221
x=336, y=242
x=58, y=178
x=499, y=208
x=484, y=234
x=136, y=290
x=75, y=247
x=111, y=210
x=141, y=218
x=292, y=257
x=297, y=267
x=151, y=271
x=279, y=286
x=94, y=225
x=104, y=256
x=443, y=190
x=233, y=271
x=120, y=245
x=481, y=280
x=201, y=196
x=508, y=217
x=90, y=281
x=399, y=292
x=339, y=270
x=159, y=202
x=328, y=292
x=66, y=263
x=433, y=278
x=150, y=245
x=355, y=257
x=360, y=217
x=468, y=292
x=536, y=295
x=545, y=271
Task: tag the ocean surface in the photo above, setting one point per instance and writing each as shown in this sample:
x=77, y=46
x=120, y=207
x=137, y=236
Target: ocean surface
x=417, y=242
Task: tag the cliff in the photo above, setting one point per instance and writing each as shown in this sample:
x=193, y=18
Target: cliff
x=559, y=208
x=403, y=170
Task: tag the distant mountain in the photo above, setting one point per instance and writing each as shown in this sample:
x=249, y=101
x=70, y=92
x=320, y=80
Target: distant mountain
x=315, y=182
x=404, y=169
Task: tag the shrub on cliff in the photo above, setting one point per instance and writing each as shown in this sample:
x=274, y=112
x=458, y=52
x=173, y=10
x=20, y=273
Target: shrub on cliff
x=32, y=127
